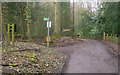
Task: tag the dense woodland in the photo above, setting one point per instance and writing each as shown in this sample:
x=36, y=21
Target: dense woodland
x=73, y=23
x=68, y=19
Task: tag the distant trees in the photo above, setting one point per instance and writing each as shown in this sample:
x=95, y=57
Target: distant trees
x=62, y=18
x=105, y=19
x=28, y=16
x=84, y=21
x=109, y=16
x=66, y=21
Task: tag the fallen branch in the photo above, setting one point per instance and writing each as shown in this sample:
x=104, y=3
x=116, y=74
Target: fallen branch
x=22, y=50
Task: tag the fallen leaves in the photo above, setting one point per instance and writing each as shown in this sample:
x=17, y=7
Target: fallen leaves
x=64, y=41
x=32, y=61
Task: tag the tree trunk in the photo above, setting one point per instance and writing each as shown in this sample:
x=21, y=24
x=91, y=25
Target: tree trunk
x=57, y=27
x=0, y=21
x=28, y=21
x=22, y=22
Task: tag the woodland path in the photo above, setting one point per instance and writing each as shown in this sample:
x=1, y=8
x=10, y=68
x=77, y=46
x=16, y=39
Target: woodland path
x=89, y=56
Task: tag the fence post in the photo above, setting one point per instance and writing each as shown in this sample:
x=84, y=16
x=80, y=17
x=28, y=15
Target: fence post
x=8, y=34
x=104, y=36
x=10, y=28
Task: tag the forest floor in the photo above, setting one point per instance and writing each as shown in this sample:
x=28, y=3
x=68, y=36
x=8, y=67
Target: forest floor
x=89, y=56
x=28, y=57
x=33, y=57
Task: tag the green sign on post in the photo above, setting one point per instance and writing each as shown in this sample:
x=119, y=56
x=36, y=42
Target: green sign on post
x=46, y=19
x=48, y=26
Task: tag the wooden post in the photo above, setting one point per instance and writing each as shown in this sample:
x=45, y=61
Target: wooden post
x=12, y=29
x=13, y=35
x=8, y=34
x=104, y=36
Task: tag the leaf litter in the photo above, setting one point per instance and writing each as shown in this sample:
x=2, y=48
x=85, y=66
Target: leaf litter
x=31, y=58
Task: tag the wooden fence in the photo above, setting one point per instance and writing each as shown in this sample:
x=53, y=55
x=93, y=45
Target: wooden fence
x=111, y=38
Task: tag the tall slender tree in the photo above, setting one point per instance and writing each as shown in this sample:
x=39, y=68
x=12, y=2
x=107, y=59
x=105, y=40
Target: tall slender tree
x=0, y=21
x=28, y=19
x=57, y=27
